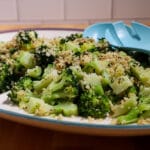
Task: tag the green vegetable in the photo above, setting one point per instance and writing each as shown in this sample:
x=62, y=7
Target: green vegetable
x=75, y=76
x=5, y=77
x=63, y=88
x=27, y=59
x=25, y=39
x=121, y=84
x=34, y=72
x=92, y=101
x=67, y=109
x=131, y=117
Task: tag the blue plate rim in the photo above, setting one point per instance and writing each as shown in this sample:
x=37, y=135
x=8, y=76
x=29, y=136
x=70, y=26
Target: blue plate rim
x=74, y=123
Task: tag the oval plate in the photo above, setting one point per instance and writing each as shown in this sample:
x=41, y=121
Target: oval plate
x=75, y=124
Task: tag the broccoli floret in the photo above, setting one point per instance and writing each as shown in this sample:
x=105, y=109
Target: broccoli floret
x=50, y=73
x=63, y=88
x=121, y=84
x=26, y=59
x=44, y=55
x=5, y=77
x=106, y=78
x=25, y=39
x=103, y=45
x=131, y=117
x=77, y=72
x=21, y=62
x=126, y=104
x=66, y=109
x=141, y=74
x=140, y=109
x=34, y=72
x=92, y=101
x=95, y=66
x=23, y=84
x=38, y=107
x=144, y=101
x=71, y=37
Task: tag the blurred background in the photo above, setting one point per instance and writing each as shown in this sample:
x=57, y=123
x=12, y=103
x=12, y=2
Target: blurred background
x=73, y=11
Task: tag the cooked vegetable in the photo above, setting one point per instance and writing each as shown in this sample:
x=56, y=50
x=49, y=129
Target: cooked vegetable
x=75, y=76
x=25, y=39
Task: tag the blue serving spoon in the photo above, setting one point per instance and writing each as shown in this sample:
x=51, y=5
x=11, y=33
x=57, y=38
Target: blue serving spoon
x=135, y=37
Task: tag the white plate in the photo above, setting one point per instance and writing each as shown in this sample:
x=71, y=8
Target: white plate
x=75, y=124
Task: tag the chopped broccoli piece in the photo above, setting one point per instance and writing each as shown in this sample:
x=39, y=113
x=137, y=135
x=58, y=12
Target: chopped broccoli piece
x=142, y=74
x=106, y=79
x=49, y=75
x=24, y=83
x=103, y=45
x=66, y=108
x=129, y=118
x=5, y=77
x=95, y=65
x=74, y=47
x=63, y=88
x=92, y=101
x=38, y=107
x=34, y=72
x=126, y=104
x=45, y=55
x=71, y=37
x=144, y=101
x=27, y=59
x=25, y=39
x=121, y=84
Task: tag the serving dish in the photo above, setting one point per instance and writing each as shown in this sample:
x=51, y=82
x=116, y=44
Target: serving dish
x=75, y=124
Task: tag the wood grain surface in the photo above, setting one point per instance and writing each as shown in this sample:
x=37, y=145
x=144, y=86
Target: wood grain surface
x=15, y=136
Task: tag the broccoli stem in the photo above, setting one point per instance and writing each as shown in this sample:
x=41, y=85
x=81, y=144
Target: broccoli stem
x=27, y=59
x=131, y=117
x=67, y=109
x=34, y=72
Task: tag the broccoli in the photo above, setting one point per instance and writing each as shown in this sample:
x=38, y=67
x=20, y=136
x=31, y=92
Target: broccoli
x=23, y=94
x=26, y=59
x=71, y=37
x=72, y=46
x=141, y=74
x=62, y=88
x=34, y=72
x=141, y=108
x=44, y=55
x=121, y=84
x=66, y=108
x=131, y=117
x=126, y=104
x=23, y=60
x=37, y=106
x=25, y=39
x=103, y=45
x=50, y=73
x=92, y=101
x=5, y=77
x=144, y=101
x=23, y=84
x=95, y=65
x=74, y=76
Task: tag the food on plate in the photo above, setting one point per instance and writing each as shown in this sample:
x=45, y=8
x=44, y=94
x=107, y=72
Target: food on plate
x=75, y=76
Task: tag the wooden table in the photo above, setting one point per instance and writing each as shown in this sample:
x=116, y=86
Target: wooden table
x=15, y=136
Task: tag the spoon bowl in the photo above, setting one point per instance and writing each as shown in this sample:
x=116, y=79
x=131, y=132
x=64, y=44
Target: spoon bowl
x=134, y=37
